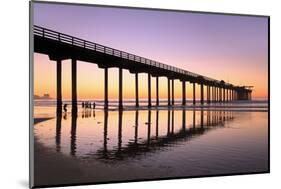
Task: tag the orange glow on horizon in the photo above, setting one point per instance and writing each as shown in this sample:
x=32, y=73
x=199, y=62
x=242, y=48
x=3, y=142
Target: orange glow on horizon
x=90, y=79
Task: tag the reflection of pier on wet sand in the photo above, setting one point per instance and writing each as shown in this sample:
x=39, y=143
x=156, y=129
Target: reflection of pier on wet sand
x=154, y=143
x=98, y=146
x=209, y=120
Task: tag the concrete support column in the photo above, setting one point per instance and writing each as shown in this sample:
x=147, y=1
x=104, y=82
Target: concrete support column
x=227, y=95
x=202, y=94
x=120, y=88
x=169, y=102
x=59, y=96
x=220, y=94
x=183, y=94
x=157, y=91
x=208, y=94
x=173, y=93
x=149, y=89
x=194, y=94
x=105, y=88
x=223, y=94
x=214, y=94
x=74, y=84
x=137, y=89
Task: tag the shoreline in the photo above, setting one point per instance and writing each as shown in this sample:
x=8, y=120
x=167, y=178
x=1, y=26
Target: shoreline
x=52, y=167
x=176, y=106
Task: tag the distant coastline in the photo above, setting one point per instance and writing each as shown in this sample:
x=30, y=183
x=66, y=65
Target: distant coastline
x=45, y=96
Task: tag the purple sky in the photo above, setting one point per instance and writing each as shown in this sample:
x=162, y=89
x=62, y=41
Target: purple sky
x=214, y=45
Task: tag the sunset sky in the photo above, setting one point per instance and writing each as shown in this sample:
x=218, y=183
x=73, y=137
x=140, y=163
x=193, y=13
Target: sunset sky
x=224, y=47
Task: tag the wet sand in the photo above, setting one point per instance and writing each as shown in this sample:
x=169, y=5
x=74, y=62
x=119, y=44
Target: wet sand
x=55, y=168
x=51, y=167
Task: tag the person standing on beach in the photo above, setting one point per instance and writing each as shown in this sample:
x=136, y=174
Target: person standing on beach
x=65, y=107
x=94, y=105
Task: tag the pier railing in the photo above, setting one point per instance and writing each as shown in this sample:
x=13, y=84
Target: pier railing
x=71, y=40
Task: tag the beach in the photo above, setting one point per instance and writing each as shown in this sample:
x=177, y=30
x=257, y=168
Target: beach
x=97, y=146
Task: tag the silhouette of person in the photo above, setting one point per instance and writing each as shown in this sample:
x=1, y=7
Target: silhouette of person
x=94, y=105
x=65, y=107
x=90, y=105
x=83, y=104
